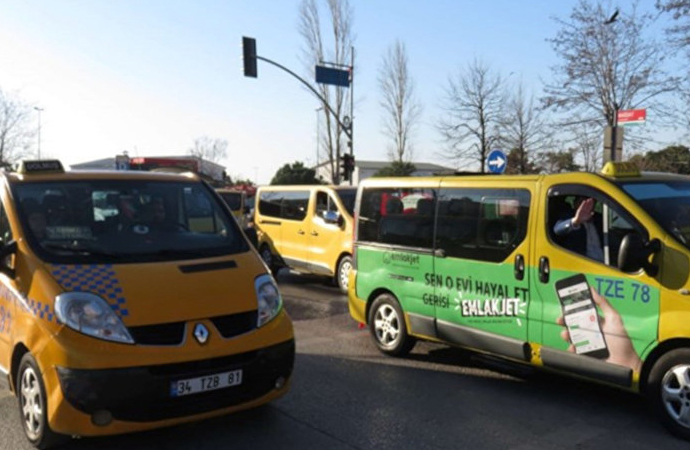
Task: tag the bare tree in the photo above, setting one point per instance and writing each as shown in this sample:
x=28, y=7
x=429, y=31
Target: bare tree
x=679, y=37
x=401, y=109
x=16, y=131
x=679, y=32
x=472, y=106
x=210, y=149
x=331, y=133
x=608, y=64
x=523, y=128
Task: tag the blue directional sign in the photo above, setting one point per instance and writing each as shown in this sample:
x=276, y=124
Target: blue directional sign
x=497, y=161
x=329, y=75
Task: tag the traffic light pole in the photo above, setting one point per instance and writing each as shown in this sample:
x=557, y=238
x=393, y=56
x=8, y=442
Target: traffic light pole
x=346, y=129
x=250, y=59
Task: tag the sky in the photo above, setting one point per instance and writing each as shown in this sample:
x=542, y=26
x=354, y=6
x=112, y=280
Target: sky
x=150, y=76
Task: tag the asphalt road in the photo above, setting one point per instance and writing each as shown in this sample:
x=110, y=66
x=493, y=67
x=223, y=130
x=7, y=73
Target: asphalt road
x=346, y=395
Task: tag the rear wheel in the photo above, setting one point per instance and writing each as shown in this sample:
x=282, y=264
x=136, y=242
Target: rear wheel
x=387, y=326
x=669, y=391
x=343, y=273
x=33, y=408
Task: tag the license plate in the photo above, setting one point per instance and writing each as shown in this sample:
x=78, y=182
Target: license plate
x=207, y=383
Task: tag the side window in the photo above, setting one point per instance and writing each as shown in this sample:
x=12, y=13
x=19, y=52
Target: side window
x=482, y=224
x=587, y=222
x=291, y=205
x=324, y=202
x=294, y=205
x=269, y=203
x=397, y=216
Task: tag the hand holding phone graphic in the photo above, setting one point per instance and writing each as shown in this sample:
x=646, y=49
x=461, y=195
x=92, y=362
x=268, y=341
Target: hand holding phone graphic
x=580, y=317
x=618, y=348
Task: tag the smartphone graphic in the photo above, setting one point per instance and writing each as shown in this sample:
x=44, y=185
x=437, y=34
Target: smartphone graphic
x=580, y=316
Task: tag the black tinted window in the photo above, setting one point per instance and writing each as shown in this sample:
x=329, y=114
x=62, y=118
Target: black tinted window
x=482, y=224
x=397, y=216
x=290, y=205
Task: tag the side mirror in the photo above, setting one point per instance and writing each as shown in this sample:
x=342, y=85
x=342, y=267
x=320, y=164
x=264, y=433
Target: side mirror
x=6, y=264
x=331, y=217
x=634, y=253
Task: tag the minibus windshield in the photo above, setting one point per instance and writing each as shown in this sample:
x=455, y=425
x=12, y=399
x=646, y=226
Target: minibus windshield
x=668, y=202
x=124, y=221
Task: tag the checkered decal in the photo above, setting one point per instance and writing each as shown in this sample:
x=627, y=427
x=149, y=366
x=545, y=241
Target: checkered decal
x=41, y=310
x=97, y=279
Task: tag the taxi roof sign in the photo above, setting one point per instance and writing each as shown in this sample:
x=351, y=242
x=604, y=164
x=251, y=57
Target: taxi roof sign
x=621, y=169
x=40, y=166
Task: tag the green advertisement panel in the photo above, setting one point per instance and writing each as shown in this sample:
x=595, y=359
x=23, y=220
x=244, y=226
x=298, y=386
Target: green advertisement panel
x=401, y=272
x=483, y=296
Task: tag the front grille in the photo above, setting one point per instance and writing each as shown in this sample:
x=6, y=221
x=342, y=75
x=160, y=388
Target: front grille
x=173, y=333
x=163, y=334
x=235, y=324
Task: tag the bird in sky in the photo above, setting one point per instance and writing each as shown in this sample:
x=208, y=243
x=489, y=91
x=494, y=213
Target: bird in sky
x=612, y=18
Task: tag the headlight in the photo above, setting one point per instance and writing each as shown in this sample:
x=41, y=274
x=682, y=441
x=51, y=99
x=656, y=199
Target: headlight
x=91, y=315
x=268, y=297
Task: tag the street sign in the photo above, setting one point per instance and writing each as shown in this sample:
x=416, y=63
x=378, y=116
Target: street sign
x=631, y=117
x=329, y=75
x=496, y=161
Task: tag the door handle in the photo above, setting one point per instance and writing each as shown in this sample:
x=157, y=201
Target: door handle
x=300, y=232
x=544, y=269
x=519, y=267
x=314, y=233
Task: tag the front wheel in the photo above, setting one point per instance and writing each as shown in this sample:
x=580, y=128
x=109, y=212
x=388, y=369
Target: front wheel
x=388, y=328
x=343, y=273
x=33, y=408
x=668, y=391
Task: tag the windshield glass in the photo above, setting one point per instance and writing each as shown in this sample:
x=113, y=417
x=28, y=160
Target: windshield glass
x=124, y=221
x=347, y=196
x=668, y=202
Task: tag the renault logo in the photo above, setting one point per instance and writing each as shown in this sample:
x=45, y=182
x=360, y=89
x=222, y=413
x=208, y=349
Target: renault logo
x=200, y=333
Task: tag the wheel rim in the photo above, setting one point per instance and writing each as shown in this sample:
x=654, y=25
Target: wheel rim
x=32, y=403
x=387, y=325
x=344, y=274
x=675, y=394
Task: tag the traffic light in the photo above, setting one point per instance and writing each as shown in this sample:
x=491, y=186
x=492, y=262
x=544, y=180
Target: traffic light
x=347, y=166
x=249, y=56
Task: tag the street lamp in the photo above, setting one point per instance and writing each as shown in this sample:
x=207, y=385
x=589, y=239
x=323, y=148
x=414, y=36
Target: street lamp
x=39, y=110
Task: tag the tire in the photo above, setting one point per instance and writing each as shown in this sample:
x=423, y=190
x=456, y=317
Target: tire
x=388, y=328
x=343, y=272
x=668, y=391
x=269, y=259
x=33, y=408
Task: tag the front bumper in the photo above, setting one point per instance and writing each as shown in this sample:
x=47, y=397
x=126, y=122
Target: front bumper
x=142, y=394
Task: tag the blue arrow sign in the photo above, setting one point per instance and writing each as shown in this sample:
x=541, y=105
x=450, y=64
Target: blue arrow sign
x=496, y=161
